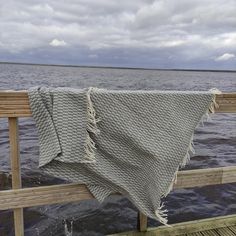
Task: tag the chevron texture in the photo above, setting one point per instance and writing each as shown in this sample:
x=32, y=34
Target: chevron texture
x=141, y=139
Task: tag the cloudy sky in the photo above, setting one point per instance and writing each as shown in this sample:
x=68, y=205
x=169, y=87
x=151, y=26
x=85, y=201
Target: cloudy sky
x=197, y=34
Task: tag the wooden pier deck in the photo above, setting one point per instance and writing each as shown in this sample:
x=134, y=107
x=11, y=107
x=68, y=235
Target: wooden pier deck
x=217, y=226
x=225, y=231
x=15, y=104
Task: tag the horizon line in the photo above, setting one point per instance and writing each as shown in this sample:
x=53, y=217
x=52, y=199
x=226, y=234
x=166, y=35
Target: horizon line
x=115, y=67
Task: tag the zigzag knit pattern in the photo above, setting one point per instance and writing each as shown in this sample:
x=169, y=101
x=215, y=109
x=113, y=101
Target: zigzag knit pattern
x=138, y=144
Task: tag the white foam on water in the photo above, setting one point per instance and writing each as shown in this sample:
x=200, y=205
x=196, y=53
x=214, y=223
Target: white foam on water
x=68, y=228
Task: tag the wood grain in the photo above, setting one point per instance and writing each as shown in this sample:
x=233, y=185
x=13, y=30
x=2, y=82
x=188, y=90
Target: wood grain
x=142, y=222
x=36, y=196
x=16, y=103
x=16, y=173
x=190, y=228
x=226, y=102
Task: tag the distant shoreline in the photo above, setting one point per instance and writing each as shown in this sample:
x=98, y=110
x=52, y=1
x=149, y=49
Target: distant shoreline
x=116, y=67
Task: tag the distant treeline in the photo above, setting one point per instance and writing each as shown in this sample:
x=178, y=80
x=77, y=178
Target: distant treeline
x=116, y=67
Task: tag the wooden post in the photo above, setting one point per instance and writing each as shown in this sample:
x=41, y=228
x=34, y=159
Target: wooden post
x=142, y=222
x=16, y=172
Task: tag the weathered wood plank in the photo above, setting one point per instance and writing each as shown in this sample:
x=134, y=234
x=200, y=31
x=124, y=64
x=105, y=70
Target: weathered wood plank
x=224, y=231
x=13, y=93
x=233, y=229
x=16, y=173
x=187, y=228
x=142, y=222
x=226, y=102
x=208, y=233
x=74, y=192
x=195, y=234
x=205, y=177
x=16, y=103
x=43, y=195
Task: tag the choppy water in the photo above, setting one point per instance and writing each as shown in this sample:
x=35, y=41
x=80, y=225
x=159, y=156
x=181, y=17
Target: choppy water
x=215, y=145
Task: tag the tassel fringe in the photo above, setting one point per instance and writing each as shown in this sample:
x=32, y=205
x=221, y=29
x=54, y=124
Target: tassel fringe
x=161, y=213
x=91, y=128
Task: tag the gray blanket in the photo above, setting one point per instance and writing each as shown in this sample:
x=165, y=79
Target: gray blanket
x=130, y=142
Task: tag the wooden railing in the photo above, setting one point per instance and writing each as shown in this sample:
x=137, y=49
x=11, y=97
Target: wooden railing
x=14, y=104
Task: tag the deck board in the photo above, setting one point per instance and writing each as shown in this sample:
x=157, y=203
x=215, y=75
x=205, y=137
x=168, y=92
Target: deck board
x=194, y=234
x=233, y=229
x=216, y=226
x=224, y=231
x=209, y=233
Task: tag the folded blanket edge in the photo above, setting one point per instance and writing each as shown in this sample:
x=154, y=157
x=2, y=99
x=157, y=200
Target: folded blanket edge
x=161, y=213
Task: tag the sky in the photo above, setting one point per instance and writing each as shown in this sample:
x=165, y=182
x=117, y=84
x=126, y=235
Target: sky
x=181, y=34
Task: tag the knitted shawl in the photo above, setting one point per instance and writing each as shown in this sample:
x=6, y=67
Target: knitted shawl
x=127, y=142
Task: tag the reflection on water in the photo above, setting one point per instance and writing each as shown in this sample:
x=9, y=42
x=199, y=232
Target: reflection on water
x=215, y=144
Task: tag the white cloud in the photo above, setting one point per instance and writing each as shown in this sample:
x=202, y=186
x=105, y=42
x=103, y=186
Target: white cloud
x=57, y=43
x=225, y=57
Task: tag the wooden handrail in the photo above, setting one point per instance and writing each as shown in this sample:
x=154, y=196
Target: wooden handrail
x=35, y=196
x=14, y=104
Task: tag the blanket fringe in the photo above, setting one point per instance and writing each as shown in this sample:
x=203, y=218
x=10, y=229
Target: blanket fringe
x=91, y=128
x=161, y=213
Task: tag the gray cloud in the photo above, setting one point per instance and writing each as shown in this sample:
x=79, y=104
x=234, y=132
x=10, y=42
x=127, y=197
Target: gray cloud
x=164, y=33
